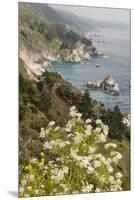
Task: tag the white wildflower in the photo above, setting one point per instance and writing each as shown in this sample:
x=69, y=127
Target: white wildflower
x=73, y=108
x=111, y=179
x=69, y=135
x=52, y=123
x=119, y=181
x=98, y=121
x=88, y=121
x=90, y=169
x=73, y=111
x=96, y=163
x=57, y=128
x=91, y=150
x=34, y=160
x=97, y=190
x=68, y=127
x=118, y=175
x=43, y=133
x=113, y=145
x=97, y=130
x=47, y=145
x=115, y=160
x=105, y=129
x=84, y=162
x=78, y=138
x=21, y=189
x=101, y=138
x=110, y=169
x=88, y=130
x=73, y=153
x=87, y=188
x=58, y=174
x=116, y=156
x=114, y=188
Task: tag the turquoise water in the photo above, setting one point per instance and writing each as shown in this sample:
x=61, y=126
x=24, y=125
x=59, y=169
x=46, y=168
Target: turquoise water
x=116, y=62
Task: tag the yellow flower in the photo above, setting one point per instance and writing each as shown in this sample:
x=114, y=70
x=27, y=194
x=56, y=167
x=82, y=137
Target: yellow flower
x=42, y=154
x=29, y=188
x=28, y=167
x=36, y=192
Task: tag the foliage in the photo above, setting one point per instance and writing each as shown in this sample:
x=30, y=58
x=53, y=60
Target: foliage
x=40, y=26
x=114, y=119
x=89, y=108
x=72, y=161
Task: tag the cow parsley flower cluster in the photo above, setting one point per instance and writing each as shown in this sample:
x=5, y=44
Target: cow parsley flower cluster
x=77, y=158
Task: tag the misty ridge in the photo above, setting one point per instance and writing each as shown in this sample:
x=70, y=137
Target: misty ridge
x=92, y=21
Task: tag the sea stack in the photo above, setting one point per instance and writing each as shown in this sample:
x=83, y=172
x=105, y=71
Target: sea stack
x=108, y=85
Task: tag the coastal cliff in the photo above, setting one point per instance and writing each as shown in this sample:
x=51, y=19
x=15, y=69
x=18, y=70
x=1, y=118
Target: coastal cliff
x=44, y=39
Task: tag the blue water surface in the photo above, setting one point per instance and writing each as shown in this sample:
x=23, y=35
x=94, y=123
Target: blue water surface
x=116, y=62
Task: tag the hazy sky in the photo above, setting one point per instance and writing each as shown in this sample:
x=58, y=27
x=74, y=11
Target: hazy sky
x=99, y=14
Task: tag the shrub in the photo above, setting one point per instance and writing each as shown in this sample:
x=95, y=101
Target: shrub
x=114, y=119
x=71, y=160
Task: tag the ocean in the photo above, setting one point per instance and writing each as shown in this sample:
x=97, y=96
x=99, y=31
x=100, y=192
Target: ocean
x=115, y=44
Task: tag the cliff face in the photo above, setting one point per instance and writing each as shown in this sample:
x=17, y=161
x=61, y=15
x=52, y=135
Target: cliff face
x=44, y=38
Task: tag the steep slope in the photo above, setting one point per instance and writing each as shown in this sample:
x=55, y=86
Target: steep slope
x=76, y=23
x=49, y=99
x=44, y=39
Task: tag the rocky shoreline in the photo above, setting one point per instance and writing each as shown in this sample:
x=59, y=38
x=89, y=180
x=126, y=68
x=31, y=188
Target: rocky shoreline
x=79, y=53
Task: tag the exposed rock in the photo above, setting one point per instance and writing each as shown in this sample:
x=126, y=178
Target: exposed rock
x=126, y=120
x=95, y=52
x=108, y=85
x=85, y=56
x=97, y=65
x=78, y=54
x=76, y=58
x=95, y=83
x=51, y=58
x=73, y=58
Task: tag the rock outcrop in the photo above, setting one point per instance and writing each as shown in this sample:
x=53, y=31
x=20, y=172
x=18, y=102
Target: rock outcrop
x=108, y=85
x=95, y=83
x=127, y=120
x=96, y=53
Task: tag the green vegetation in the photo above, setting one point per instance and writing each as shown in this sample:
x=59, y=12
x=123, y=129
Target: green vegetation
x=74, y=159
x=42, y=29
x=47, y=98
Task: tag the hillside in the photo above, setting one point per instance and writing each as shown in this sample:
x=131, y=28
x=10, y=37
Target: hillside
x=44, y=38
x=74, y=22
x=50, y=99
